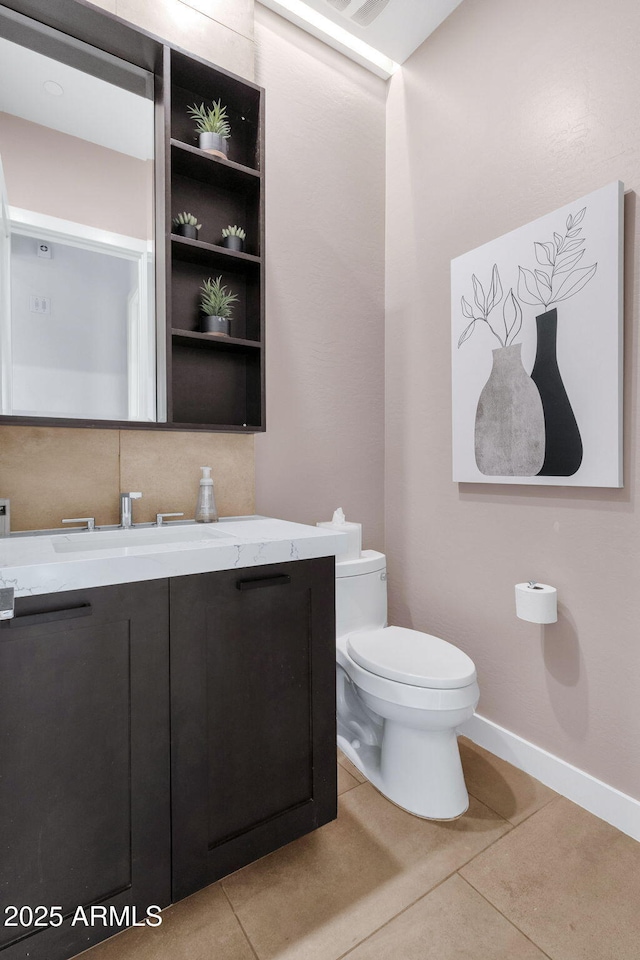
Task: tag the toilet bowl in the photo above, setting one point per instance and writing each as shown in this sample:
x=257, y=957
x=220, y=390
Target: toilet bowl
x=401, y=694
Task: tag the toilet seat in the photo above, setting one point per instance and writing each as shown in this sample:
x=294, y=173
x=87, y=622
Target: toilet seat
x=411, y=657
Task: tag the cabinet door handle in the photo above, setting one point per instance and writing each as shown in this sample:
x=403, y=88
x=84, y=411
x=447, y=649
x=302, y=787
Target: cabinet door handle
x=279, y=580
x=48, y=616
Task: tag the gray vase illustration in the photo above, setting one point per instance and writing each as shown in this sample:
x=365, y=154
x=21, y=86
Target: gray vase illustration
x=509, y=433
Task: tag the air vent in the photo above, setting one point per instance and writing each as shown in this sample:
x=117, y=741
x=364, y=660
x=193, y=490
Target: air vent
x=368, y=12
x=362, y=13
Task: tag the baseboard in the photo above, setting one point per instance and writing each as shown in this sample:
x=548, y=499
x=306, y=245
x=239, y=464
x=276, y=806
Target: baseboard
x=595, y=796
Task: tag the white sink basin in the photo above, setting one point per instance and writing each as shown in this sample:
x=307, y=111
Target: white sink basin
x=135, y=537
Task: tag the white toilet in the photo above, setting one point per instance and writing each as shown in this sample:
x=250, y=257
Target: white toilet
x=401, y=695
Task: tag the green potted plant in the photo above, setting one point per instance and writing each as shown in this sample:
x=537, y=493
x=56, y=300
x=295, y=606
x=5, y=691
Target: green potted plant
x=213, y=127
x=215, y=304
x=233, y=238
x=186, y=225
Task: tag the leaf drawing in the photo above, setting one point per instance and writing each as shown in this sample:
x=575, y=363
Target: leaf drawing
x=495, y=290
x=484, y=306
x=478, y=294
x=466, y=333
x=567, y=247
x=576, y=280
x=466, y=309
x=512, y=315
x=566, y=262
x=561, y=257
x=579, y=217
x=545, y=253
x=528, y=287
x=543, y=279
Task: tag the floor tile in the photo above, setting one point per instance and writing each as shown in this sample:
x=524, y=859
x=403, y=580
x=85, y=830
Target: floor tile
x=453, y=922
x=319, y=896
x=202, y=927
x=345, y=780
x=350, y=768
x=510, y=792
x=569, y=881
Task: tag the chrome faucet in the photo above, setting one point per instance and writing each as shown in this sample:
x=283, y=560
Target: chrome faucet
x=126, y=521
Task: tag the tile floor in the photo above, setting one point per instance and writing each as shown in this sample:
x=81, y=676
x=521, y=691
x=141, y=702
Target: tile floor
x=524, y=875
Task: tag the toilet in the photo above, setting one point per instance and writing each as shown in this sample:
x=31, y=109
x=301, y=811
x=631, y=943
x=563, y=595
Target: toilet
x=401, y=694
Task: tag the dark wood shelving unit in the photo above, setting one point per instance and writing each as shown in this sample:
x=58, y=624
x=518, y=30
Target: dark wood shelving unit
x=212, y=340
x=214, y=382
x=198, y=251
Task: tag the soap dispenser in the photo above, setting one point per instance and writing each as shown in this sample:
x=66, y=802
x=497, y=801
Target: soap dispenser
x=206, y=507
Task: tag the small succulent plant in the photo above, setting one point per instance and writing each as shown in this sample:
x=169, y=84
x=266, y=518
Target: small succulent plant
x=211, y=119
x=186, y=219
x=234, y=232
x=216, y=300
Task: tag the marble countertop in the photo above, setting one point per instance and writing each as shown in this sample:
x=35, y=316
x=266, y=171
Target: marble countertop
x=53, y=562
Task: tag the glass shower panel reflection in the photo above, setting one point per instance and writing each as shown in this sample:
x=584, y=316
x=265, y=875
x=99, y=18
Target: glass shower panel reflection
x=71, y=311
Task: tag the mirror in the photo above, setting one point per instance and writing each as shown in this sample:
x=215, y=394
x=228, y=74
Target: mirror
x=77, y=310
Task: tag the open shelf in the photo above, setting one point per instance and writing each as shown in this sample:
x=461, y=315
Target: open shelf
x=212, y=341
x=216, y=386
x=216, y=382
x=195, y=82
x=192, y=162
x=197, y=251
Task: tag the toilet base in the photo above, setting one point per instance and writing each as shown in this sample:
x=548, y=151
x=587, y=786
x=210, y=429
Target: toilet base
x=418, y=770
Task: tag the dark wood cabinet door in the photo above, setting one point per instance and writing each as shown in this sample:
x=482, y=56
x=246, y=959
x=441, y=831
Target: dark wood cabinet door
x=84, y=763
x=253, y=714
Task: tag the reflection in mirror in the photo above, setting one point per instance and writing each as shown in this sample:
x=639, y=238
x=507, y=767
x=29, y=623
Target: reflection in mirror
x=77, y=313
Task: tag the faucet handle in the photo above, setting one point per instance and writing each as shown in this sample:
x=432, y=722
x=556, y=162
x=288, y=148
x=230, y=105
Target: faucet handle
x=90, y=521
x=161, y=516
x=132, y=496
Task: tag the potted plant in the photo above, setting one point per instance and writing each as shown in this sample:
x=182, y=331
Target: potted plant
x=186, y=225
x=233, y=238
x=215, y=304
x=213, y=127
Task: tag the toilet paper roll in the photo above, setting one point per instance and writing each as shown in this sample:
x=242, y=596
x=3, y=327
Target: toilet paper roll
x=536, y=602
x=353, y=538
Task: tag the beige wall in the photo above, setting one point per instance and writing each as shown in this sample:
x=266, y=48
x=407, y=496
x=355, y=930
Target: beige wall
x=325, y=282
x=510, y=110
x=218, y=30
x=54, y=473
x=63, y=176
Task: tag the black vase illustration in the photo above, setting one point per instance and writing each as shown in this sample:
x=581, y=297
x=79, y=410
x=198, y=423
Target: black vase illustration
x=563, y=444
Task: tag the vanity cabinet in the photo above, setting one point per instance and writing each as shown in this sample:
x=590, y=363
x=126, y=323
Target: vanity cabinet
x=84, y=763
x=252, y=714
x=182, y=725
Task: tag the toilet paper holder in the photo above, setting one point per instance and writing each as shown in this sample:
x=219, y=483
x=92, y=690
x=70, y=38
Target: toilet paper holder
x=536, y=602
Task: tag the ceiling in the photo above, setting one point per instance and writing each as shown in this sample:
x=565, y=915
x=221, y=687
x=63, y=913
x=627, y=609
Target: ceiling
x=392, y=28
x=88, y=107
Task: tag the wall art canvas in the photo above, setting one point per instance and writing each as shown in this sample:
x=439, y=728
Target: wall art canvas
x=537, y=350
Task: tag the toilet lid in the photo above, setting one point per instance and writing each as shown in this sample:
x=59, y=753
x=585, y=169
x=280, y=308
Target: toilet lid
x=411, y=657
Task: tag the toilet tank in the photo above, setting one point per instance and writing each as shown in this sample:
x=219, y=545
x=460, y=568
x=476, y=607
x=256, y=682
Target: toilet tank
x=361, y=593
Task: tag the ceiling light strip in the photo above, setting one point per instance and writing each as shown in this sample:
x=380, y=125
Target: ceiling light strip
x=336, y=36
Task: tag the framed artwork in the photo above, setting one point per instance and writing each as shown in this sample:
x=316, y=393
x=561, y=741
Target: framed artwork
x=537, y=350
